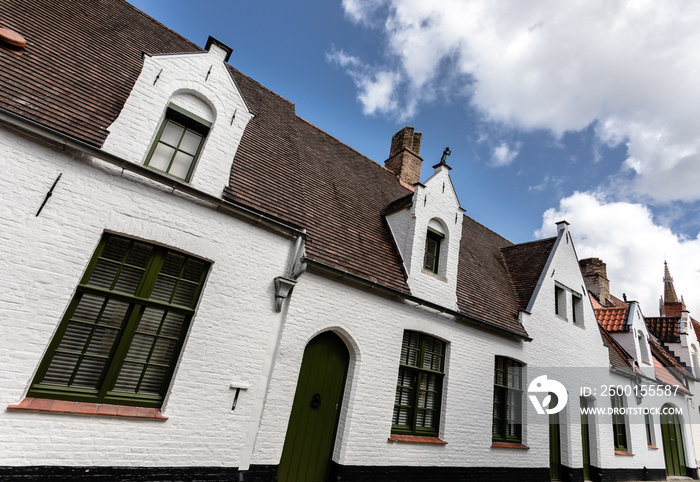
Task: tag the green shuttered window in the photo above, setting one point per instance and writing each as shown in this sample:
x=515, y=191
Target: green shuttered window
x=619, y=422
x=419, y=385
x=122, y=334
x=507, y=400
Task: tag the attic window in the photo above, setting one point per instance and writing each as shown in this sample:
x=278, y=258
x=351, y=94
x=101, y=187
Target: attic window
x=433, y=241
x=560, y=301
x=178, y=143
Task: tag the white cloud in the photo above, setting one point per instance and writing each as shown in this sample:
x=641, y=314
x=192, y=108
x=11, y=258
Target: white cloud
x=634, y=247
x=377, y=87
x=504, y=155
x=629, y=68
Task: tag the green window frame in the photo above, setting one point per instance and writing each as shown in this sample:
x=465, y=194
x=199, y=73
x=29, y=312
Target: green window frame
x=507, y=400
x=178, y=143
x=123, y=331
x=419, y=385
x=433, y=242
x=619, y=422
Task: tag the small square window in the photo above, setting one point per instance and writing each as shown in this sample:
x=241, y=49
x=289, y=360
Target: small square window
x=577, y=309
x=560, y=301
x=178, y=143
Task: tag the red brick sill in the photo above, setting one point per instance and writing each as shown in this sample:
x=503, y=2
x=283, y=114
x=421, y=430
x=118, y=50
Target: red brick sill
x=651, y=447
x=416, y=439
x=509, y=445
x=65, y=406
x=622, y=452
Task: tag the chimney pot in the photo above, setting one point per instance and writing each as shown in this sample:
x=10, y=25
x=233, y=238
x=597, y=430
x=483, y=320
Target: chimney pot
x=595, y=275
x=404, y=156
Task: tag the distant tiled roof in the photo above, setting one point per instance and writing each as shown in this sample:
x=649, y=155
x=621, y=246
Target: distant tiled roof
x=696, y=327
x=525, y=264
x=667, y=368
x=81, y=61
x=612, y=319
x=619, y=358
x=666, y=329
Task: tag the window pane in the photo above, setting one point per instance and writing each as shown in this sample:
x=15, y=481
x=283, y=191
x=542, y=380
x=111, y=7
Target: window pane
x=172, y=133
x=190, y=143
x=161, y=157
x=163, y=289
x=104, y=273
x=61, y=369
x=89, y=372
x=181, y=165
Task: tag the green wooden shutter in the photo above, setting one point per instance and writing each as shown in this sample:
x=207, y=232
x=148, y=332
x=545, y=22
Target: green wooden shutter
x=123, y=330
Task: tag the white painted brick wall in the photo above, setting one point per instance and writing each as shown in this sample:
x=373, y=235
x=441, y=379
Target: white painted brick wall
x=45, y=256
x=43, y=259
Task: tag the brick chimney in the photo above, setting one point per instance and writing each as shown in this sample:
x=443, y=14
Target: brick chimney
x=404, y=156
x=595, y=275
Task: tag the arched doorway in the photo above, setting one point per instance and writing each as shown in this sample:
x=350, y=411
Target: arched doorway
x=308, y=445
x=672, y=434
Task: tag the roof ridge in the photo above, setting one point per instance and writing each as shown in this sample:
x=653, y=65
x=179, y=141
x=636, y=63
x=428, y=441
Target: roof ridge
x=534, y=241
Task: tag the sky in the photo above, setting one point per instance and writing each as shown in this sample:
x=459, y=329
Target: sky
x=584, y=111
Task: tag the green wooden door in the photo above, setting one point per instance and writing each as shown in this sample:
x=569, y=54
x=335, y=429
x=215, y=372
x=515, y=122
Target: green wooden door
x=585, y=441
x=308, y=445
x=673, y=444
x=554, y=443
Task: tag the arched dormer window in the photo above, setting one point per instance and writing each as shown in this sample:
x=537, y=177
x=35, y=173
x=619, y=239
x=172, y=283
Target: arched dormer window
x=434, y=244
x=178, y=142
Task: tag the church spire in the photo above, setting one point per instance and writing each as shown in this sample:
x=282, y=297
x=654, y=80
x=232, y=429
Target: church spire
x=670, y=305
x=669, y=291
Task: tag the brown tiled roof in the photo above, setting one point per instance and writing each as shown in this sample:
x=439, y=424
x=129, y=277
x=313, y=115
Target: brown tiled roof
x=484, y=289
x=80, y=63
x=612, y=319
x=525, y=264
x=289, y=168
x=666, y=329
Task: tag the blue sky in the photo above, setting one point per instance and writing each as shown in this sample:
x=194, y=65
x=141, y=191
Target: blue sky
x=578, y=110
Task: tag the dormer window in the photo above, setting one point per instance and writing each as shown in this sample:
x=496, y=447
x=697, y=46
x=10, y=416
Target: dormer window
x=178, y=143
x=433, y=242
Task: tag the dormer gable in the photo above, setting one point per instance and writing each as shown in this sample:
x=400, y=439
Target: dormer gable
x=185, y=117
x=427, y=231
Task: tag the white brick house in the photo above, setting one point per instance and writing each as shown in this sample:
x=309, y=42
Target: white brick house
x=194, y=290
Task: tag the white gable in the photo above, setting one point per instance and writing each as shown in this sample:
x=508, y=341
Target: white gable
x=201, y=85
x=434, y=206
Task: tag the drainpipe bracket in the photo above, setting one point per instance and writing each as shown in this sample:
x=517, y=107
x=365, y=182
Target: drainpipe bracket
x=283, y=288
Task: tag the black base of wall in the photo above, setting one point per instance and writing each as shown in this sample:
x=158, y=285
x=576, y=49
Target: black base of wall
x=267, y=473
x=258, y=473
